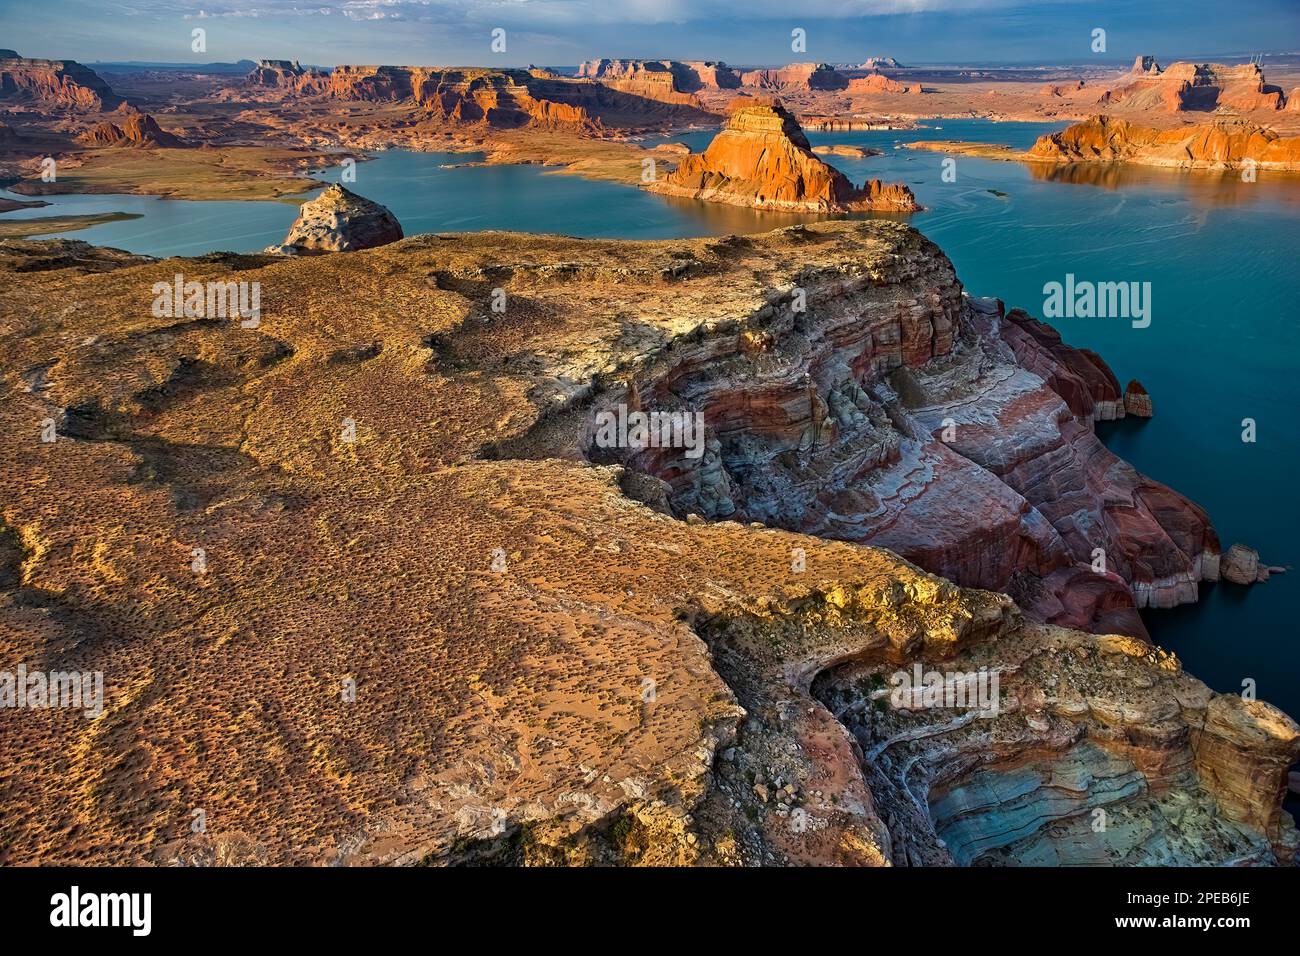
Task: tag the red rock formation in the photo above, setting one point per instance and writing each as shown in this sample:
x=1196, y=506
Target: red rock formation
x=877, y=83
x=1202, y=87
x=796, y=76
x=496, y=98
x=54, y=83
x=1224, y=144
x=870, y=419
x=688, y=76
x=1061, y=89
x=652, y=79
x=285, y=74
x=762, y=159
x=1136, y=400
x=139, y=130
x=1145, y=65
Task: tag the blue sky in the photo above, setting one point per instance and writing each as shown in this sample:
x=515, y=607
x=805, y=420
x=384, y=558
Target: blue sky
x=563, y=32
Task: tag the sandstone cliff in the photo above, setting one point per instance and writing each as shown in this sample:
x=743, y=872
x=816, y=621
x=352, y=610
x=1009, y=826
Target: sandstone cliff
x=762, y=159
x=877, y=83
x=139, y=130
x=892, y=420
x=796, y=76
x=1200, y=87
x=501, y=99
x=61, y=84
x=339, y=220
x=581, y=677
x=689, y=76
x=1224, y=144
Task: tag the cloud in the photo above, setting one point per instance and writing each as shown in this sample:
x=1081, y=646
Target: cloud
x=560, y=14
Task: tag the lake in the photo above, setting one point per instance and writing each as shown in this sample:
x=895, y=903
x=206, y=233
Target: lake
x=1219, y=254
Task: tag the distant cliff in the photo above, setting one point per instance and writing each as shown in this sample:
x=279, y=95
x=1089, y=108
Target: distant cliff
x=1224, y=144
x=1195, y=87
x=495, y=98
x=63, y=84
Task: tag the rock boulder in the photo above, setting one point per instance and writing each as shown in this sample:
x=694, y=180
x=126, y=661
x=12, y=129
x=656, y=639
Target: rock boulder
x=339, y=221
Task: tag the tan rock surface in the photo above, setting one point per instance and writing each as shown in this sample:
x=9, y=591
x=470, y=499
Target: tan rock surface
x=338, y=220
x=545, y=670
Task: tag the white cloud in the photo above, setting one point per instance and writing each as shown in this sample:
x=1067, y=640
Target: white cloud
x=541, y=14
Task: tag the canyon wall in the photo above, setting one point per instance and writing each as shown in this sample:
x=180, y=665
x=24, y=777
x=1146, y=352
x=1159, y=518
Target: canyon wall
x=1223, y=144
x=61, y=84
x=1195, y=87
x=495, y=98
x=894, y=410
x=796, y=76
x=687, y=76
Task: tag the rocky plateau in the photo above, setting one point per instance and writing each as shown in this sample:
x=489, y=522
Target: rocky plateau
x=606, y=655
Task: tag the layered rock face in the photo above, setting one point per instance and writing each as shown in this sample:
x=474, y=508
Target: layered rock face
x=1137, y=401
x=1101, y=752
x=687, y=76
x=762, y=159
x=1224, y=144
x=653, y=80
x=284, y=74
x=1200, y=87
x=495, y=98
x=877, y=83
x=339, y=220
x=64, y=84
x=546, y=671
x=796, y=76
x=896, y=411
x=139, y=130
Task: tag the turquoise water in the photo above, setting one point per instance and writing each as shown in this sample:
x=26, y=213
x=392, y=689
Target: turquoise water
x=1219, y=255
x=168, y=227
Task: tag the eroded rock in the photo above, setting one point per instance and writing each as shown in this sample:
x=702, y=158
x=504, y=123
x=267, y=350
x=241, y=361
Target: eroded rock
x=762, y=159
x=339, y=220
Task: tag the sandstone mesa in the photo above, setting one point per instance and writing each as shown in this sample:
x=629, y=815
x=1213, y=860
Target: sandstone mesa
x=762, y=159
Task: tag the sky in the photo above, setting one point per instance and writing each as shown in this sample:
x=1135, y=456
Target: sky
x=565, y=32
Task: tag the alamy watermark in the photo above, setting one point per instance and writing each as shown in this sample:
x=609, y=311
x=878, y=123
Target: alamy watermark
x=635, y=429
x=41, y=690
x=74, y=908
x=209, y=300
x=1100, y=300
x=963, y=690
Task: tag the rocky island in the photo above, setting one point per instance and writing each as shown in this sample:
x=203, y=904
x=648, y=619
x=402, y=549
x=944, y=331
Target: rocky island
x=762, y=159
x=1225, y=144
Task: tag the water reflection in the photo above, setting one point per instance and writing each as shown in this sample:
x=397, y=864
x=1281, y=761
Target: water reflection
x=1212, y=187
